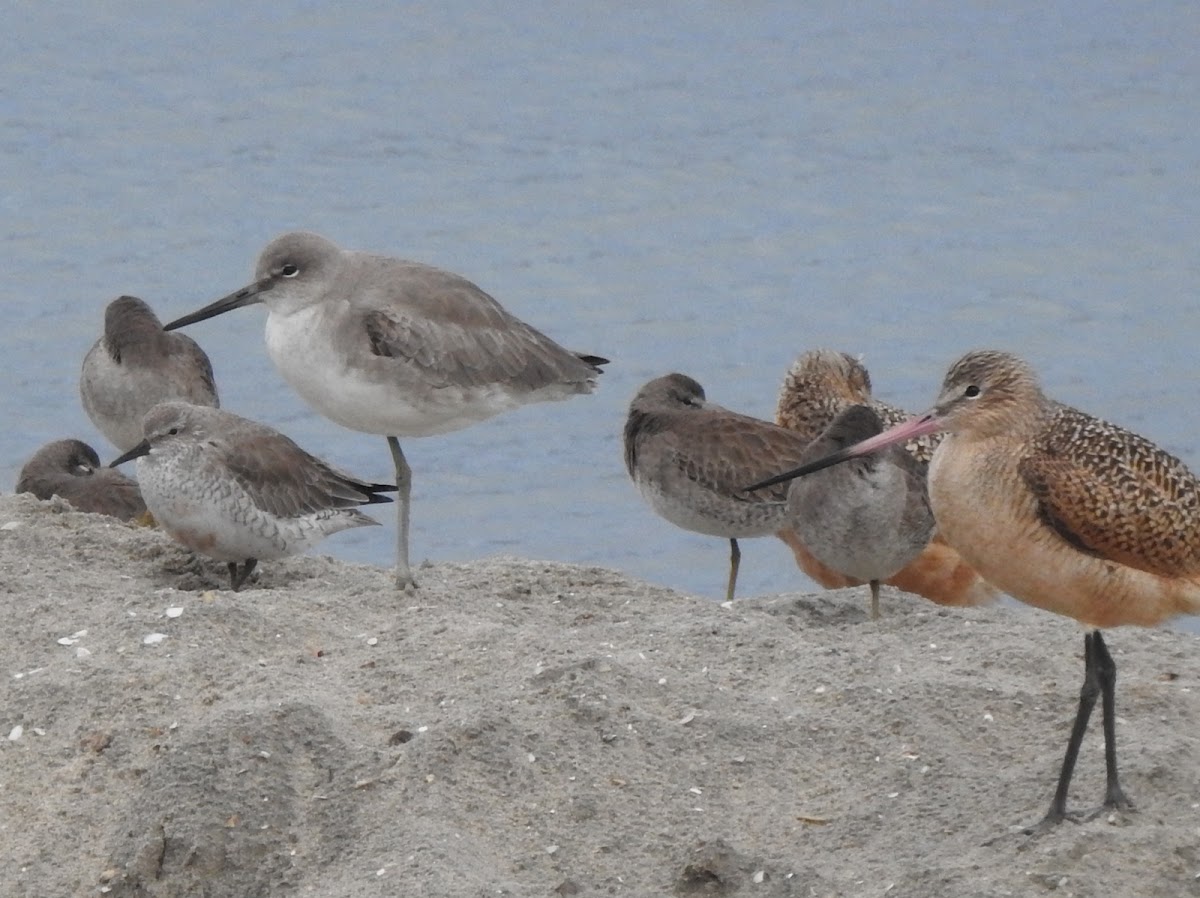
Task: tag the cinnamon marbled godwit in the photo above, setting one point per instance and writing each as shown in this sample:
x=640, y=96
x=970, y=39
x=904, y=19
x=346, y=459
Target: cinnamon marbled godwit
x=819, y=385
x=1060, y=510
x=135, y=366
x=71, y=469
x=868, y=518
x=690, y=458
x=238, y=491
x=386, y=346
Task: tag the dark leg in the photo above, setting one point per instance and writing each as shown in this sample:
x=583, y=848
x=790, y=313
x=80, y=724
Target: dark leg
x=237, y=576
x=404, y=577
x=874, y=600
x=1106, y=671
x=1087, y=701
x=735, y=558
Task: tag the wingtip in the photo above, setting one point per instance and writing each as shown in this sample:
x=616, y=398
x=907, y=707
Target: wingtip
x=596, y=361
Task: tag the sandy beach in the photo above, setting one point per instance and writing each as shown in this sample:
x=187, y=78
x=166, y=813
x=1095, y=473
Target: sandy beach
x=527, y=728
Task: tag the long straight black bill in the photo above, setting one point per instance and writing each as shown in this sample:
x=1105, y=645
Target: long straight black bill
x=905, y=430
x=247, y=296
x=827, y=462
x=142, y=448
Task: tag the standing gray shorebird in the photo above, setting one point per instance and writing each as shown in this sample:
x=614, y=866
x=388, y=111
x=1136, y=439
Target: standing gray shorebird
x=135, y=366
x=386, y=346
x=71, y=469
x=690, y=459
x=238, y=491
x=868, y=518
x=1061, y=510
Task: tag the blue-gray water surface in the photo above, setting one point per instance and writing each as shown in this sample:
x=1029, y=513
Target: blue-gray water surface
x=707, y=187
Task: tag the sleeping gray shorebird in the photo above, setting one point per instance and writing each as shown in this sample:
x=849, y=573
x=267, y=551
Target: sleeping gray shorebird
x=386, y=346
x=135, y=366
x=71, y=469
x=690, y=458
x=239, y=491
x=868, y=518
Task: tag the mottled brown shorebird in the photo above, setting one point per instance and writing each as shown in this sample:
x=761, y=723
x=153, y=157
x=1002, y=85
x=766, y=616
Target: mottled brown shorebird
x=71, y=469
x=135, y=366
x=1061, y=510
x=386, y=346
x=867, y=518
x=690, y=460
x=822, y=383
x=238, y=491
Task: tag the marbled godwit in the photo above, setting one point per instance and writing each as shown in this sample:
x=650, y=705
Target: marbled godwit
x=821, y=383
x=1060, y=510
x=690, y=458
x=382, y=345
x=71, y=469
x=238, y=491
x=869, y=517
x=135, y=366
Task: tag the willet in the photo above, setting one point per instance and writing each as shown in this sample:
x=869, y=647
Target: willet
x=690, y=459
x=1061, y=510
x=819, y=385
x=71, y=469
x=868, y=518
x=135, y=366
x=238, y=491
x=386, y=346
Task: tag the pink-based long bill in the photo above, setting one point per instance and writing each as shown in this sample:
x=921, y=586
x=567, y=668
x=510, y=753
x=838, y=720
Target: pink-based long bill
x=899, y=433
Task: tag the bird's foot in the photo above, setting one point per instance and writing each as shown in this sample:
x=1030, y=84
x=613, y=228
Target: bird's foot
x=1046, y=825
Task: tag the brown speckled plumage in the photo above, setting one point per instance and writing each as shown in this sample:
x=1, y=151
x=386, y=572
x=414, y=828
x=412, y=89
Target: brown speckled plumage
x=1063, y=511
x=691, y=461
x=1056, y=489
x=819, y=385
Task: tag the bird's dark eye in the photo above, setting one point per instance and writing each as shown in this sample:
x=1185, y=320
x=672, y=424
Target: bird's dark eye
x=971, y=391
x=289, y=270
x=172, y=431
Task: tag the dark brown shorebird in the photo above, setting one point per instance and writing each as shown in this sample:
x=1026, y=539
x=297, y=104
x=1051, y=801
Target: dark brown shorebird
x=135, y=366
x=72, y=470
x=822, y=383
x=238, y=491
x=386, y=346
x=1061, y=510
x=690, y=459
x=867, y=518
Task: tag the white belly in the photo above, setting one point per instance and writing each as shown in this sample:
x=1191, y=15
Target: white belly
x=344, y=381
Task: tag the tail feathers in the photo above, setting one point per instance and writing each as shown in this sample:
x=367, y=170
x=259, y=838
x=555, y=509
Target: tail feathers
x=594, y=360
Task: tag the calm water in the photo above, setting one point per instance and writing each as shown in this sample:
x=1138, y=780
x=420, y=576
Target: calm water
x=710, y=187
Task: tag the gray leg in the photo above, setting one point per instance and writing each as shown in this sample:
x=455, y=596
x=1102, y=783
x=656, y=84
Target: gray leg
x=735, y=559
x=404, y=577
x=874, y=600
